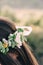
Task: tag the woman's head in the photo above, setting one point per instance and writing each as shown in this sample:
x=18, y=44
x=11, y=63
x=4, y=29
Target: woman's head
x=15, y=56
x=6, y=27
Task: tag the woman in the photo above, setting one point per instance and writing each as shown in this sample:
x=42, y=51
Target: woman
x=16, y=55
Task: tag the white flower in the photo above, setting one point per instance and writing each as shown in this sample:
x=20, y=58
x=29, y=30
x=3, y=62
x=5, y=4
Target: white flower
x=11, y=34
x=5, y=41
x=18, y=40
x=9, y=42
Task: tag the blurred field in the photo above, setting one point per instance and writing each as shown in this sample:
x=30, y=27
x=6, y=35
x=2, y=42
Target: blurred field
x=23, y=14
x=29, y=17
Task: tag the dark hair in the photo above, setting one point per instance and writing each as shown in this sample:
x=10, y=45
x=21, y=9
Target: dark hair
x=15, y=56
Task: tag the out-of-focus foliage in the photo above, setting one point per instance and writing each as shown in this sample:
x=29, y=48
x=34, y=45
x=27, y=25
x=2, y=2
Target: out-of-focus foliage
x=10, y=15
x=35, y=39
x=32, y=21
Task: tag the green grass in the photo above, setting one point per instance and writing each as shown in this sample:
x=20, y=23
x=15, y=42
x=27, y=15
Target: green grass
x=10, y=15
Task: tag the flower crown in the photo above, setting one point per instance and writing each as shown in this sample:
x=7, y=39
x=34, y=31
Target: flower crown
x=15, y=39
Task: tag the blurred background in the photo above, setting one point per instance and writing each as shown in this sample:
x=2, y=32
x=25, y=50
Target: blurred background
x=28, y=13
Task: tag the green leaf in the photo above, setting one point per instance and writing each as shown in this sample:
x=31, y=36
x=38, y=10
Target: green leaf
x=20, y=30
x=3, y=50
x=14, y=36
x=25, y=39
x=0, y=44
x=13, y=44
x=7, y=49
x=21, y=38
x=9, y=43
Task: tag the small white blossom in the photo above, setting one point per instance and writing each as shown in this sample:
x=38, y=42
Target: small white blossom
x=5, y=41
x=18, y=40
x=11, y=34
x=9, y=42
